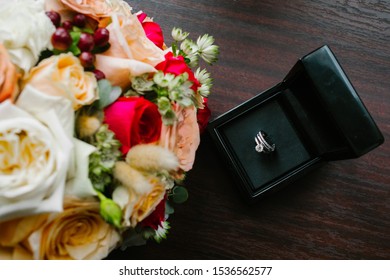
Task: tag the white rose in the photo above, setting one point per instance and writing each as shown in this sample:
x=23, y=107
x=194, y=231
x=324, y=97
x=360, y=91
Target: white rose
x=25, y=30
x=34, y=158
x=34, y=102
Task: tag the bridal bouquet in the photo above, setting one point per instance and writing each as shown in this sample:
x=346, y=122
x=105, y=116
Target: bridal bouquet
x=99, y=122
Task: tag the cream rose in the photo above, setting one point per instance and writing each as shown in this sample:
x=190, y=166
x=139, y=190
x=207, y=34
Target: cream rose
x=79, y=232
x=25, y=31
x=183, y=137
x=9, y=76
x=34, y=158
x=131, y=52
x=14, y=237
x=63, y=75
x=138, y=205
x=146, y=204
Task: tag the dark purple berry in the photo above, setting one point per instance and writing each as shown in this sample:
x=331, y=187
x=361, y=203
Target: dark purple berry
x=80, y=20
x=99, y=75
x=54, y=17
x=67, y=24
x=87, y=59
x=86, y=42
x=101, y=37
x=61, y=39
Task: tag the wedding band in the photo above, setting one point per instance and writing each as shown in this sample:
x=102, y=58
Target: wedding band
x=263, y=143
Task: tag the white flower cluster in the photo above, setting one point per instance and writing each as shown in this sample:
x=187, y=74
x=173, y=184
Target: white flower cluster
x=203, y=47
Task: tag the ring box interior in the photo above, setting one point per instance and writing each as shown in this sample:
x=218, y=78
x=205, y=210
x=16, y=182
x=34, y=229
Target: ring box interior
x=313, y=116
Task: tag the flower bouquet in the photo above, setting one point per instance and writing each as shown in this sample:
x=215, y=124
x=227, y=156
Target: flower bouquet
x=99, y=122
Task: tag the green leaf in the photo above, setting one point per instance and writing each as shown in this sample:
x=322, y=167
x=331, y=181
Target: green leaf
x=107, y=93
x=74, y=49
x=75, y=40
x=87, y=30
x=174, y=49
x=76, y=29
x=56, y=52
x=179, y=194
x=169, y=209
x=75, y=35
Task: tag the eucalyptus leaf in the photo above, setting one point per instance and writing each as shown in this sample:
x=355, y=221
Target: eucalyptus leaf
x=169, y=209
x=107, y=93
x=179, y=194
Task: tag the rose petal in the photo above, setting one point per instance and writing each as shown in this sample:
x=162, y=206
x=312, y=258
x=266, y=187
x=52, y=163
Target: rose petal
x=80, y=185
x=120, y=70
x=154, y=33
x=35, y=101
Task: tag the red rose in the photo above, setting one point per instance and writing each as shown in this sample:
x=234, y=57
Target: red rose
x=203, y=116
x=152, y=30
x=134, y=120
x=141, y=16
x=176, y=65
x=156, y=217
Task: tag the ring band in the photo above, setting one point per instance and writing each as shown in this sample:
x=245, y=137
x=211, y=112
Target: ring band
x=264, y=144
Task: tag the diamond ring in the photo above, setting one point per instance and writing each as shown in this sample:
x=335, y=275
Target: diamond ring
x=264, y=144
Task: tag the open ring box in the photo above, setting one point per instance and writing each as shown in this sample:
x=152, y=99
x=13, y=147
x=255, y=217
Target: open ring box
x=313, y=116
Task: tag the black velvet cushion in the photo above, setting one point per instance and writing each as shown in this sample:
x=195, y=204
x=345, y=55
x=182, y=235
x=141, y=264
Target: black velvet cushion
x=261, y=168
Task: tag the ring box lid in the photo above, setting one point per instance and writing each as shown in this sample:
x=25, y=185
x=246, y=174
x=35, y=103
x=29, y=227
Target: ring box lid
x=356, y=131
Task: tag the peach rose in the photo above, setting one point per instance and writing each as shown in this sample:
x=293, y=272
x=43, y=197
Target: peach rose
x=96, y=9
x=146, y=204
x=138, y=195
x=8, y=76
x=79, y=232
x=183, y=136
x=131, y=52
x=63, y=75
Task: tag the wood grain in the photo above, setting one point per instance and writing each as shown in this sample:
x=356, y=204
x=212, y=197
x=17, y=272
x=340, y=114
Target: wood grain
x=340, y=211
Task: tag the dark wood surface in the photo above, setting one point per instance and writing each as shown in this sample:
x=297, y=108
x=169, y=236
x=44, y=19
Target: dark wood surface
x=340, y=211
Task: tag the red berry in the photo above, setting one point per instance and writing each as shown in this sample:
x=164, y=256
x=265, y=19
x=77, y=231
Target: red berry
x=61, y=39
x=99, y=75
x=86, y=42
x=67, y=24
x=54, y=17
x=87, y=59
x=80, y=20
x=101, y=37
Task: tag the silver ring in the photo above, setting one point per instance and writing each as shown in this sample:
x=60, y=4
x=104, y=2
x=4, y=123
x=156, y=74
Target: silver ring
x=264, y=144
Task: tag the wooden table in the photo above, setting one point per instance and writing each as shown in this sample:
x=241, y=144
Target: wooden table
x=340, y=211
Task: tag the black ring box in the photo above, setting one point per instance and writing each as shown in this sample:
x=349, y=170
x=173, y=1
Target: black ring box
x=313, y=116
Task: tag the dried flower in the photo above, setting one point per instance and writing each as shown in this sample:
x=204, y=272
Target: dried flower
x=87, y=126
x=131, y=178
x=151, y=158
